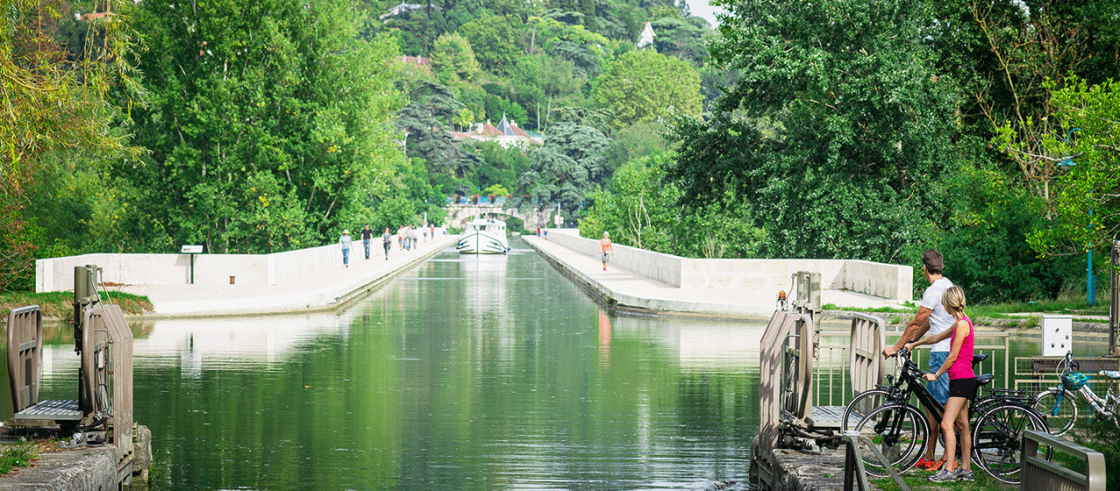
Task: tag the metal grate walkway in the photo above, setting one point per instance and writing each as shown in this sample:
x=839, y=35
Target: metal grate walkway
x=50, y=411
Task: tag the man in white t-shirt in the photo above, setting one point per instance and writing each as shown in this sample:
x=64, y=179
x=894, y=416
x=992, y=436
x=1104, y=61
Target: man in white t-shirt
x=932, y=318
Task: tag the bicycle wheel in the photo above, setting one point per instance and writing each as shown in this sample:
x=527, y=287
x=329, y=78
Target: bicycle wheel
x=1060, y=415
x=898, y=431
x=997, y=439
x=861, y=405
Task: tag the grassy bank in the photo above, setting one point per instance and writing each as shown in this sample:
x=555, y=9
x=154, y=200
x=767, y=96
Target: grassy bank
x=14, y=456
x=918, y=481
x=60, y=305
x=1006, y=313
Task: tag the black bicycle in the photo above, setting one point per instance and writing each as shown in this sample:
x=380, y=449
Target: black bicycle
x=900, y=390
x=899, y=429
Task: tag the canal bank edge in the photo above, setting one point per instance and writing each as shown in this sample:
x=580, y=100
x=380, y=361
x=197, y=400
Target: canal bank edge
x=629, y=303
x=627, y=291
x=324, y=292
x=647, y=296
x=84, y=468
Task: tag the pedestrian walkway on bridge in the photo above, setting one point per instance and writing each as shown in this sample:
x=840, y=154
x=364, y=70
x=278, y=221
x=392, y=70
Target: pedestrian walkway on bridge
x=317, y=292
x=627, y=290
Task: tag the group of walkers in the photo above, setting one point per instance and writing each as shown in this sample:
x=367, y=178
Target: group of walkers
x=951, y=379
x=407, y=238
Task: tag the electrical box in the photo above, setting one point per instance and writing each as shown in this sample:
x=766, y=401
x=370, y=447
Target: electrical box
x=1057, y=334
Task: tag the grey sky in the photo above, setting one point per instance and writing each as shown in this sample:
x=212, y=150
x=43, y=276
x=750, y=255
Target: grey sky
x=700, y=8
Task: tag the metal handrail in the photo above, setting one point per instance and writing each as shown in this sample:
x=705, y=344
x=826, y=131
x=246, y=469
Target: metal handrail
x=832, y=365
x=1045, y=474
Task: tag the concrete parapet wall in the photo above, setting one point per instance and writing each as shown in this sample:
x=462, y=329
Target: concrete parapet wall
x=57, y=274
x=661, y=267
x=878, y=279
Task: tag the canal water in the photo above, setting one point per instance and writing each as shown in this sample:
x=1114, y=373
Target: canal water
x=468, y=372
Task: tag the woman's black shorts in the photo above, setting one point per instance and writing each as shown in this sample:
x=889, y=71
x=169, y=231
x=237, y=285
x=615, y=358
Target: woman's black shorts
x=962, y=387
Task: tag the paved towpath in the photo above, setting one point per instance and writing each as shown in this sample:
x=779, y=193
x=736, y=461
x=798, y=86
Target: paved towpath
x=321, y=292
x=623, y=289
x=632, y=291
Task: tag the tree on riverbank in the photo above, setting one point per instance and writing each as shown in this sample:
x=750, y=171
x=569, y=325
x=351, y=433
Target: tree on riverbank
x=859, y=134
x=267, y=127
x=53, y=102
x=565, y=170
x=642, y=210
x=1086, y=203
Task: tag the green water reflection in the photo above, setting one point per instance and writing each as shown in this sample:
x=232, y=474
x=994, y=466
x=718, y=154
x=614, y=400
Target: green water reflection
x=466, y=373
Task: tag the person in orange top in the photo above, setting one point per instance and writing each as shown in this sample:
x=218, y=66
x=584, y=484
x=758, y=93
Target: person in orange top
x=608, y=249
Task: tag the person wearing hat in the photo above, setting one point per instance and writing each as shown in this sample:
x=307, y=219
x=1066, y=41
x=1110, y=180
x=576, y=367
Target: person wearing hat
x=608, y=249
x=344, y=243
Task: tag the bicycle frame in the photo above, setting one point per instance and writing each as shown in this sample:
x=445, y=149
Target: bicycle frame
x=911, y=374
x=1106, y=406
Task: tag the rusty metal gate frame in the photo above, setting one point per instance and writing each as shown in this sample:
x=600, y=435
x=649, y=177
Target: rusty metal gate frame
x=25, y=355
x=866, y=365
x=107, y=374
x=778, y=400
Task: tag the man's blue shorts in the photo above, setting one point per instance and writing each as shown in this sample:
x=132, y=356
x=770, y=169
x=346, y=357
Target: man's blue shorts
x=938, y=388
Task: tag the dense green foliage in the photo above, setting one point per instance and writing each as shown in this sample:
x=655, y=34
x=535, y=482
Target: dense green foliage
x=865, y=129
x=565, y=169
x=643, y=213
x=857, y=129
x=55, y=106
x=1086, y=204
x=642, y=86
x=266, y=123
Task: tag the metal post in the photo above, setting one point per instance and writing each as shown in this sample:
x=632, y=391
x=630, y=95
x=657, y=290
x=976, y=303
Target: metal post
x=192, y=269
x=1091, y=288
x=1114, y=307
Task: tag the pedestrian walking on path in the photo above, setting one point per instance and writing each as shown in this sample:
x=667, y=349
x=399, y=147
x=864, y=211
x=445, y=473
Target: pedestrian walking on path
x=387, y=242
x=367, y=237
x=344, y=243
x=608, y=248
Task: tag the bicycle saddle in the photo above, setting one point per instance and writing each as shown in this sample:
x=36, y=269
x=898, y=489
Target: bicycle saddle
x=982, y=380
x=1113, y=374
x=977, y=358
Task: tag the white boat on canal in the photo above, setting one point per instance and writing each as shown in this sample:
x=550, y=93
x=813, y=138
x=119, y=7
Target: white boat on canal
x=483, y=236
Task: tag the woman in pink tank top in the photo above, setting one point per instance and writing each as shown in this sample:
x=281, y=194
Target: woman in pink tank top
x=962, y=386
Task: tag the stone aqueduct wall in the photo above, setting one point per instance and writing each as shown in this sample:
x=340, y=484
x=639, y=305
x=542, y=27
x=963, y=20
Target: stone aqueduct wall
x=459, y=214
x=57, y=274
x=878, y=279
